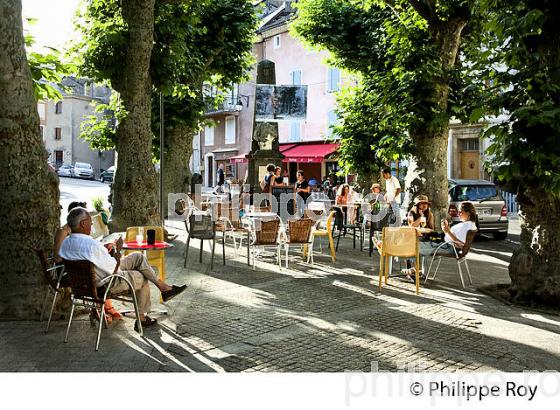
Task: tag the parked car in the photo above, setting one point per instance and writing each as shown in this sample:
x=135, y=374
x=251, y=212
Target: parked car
x=490, y=206
x=66, y=170
x=108, y=174
x=83, y=170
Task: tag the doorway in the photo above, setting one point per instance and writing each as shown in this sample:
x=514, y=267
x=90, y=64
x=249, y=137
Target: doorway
x=58, y=159
x=209, y=170
x=470, y=158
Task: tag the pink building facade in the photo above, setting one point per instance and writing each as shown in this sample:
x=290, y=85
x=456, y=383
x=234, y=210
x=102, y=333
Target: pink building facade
x=302, y=142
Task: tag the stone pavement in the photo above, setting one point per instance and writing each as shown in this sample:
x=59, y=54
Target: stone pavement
x=325, y=318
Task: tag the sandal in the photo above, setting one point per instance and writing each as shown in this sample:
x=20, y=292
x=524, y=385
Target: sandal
x=145, y=323
x=113, y=313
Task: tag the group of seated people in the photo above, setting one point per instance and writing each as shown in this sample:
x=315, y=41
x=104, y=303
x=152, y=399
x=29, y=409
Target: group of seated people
x=74, y=242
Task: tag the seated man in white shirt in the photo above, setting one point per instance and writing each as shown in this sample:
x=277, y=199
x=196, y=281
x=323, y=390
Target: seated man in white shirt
x=79, y=245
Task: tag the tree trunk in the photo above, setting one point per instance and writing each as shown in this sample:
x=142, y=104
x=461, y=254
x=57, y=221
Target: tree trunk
x=535, y=267
x=135, y=190
x=177, y=171
x=431, y=163
x=430, y=139
x=29, y=187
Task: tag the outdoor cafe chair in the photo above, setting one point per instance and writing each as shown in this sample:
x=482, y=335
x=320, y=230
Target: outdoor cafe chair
x=326, y=231
x=228, y=223
x=56, y=279
x=403, y=243
x=155, y=258
x=203, y=228
x=353, y=224
x=299, y=234
x=265, y=234
x=460, y=256
x=81, y=275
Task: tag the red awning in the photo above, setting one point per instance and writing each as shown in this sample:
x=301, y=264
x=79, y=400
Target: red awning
x=309, y=152
x=285, y=147
x=238, y=159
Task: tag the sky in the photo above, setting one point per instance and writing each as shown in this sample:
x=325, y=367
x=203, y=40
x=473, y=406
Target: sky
x=54, y=25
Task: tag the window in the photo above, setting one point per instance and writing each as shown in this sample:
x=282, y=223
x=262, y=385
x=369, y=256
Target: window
x=58, y=108
x=333, y=80
x=42, y=130
x=41, y=109
x=295, y=131
x=295, y=77
x=230, y=130
x=277, y=42
x=474, y=193
x=470, y=144
x=332, y=121
x=208, y=135
x=58, y=133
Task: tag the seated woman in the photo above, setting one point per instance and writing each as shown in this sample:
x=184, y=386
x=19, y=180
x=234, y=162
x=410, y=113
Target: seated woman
x=421, y=209
x=343, y=195
x=59, y=237
x=455, y=236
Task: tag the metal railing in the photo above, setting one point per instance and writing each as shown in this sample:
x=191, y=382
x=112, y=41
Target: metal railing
x=511, y=202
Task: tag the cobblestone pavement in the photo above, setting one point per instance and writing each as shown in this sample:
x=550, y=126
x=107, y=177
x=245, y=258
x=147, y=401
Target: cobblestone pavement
x=321, y=318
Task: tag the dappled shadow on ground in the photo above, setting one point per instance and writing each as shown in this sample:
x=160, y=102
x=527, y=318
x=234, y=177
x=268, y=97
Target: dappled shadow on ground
x=330, y=318
x=306, y=318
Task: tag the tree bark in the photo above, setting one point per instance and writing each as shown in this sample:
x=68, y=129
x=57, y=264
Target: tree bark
x=431, y=180
x=177, y=155
x=535, y=266
x=430, y=145
x=29, y=188
x=135, y=190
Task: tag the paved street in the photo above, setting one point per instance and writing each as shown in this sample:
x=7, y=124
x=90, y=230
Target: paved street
x=74, y=189
x=325, y=318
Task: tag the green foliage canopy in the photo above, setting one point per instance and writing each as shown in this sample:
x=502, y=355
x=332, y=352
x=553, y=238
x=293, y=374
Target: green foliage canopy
x=395, y=48
x=523, y=40
x=195, y=42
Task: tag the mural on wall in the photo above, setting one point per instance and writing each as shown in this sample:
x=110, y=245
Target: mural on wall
x=280, y=103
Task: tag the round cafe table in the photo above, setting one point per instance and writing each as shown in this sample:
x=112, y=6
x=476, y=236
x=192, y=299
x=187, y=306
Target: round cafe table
x=157, y=246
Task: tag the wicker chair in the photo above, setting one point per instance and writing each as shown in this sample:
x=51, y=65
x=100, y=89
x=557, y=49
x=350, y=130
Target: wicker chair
x=401, y=242
x=56, y=278
x=299, y=234
x=265, y=233
x=81, y=275
x=202, y=227
x=327, y=231
x=460, y=255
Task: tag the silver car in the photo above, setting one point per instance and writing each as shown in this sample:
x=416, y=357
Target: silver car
x=83, y=170
x=490, y=206
x=65, y=170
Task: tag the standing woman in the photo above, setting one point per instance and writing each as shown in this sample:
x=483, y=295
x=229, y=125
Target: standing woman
x=302, y=191
x=278, y=178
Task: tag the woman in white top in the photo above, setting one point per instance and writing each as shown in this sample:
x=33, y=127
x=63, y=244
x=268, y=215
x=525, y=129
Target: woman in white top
x=455, y=235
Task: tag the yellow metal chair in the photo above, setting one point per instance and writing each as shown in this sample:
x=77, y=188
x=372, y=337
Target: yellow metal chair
x=400, y=242
x=327, y=231
x=155, y=258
